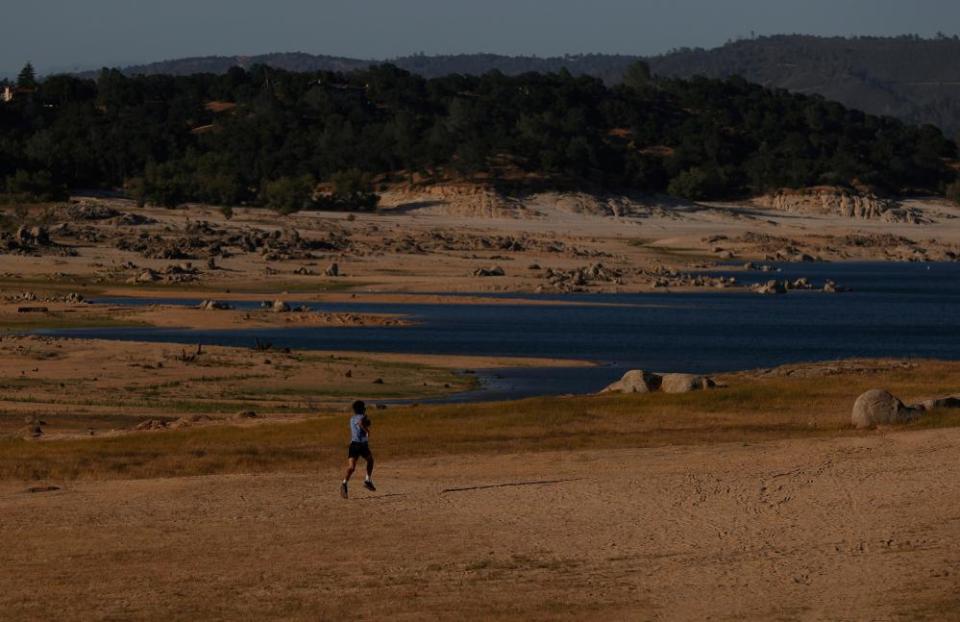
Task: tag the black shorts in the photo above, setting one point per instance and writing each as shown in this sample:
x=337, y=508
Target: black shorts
x=359, y=450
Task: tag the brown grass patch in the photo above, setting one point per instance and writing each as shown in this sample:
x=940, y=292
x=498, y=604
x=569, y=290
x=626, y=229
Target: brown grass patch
x=751, y=410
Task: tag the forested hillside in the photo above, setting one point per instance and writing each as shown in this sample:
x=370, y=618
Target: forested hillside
x=267, y=135
x=916, y=80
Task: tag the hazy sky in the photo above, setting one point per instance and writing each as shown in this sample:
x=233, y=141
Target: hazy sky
x=69, y=34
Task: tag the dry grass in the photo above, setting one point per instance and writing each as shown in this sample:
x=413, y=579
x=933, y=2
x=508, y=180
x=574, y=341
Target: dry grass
x=750, y=410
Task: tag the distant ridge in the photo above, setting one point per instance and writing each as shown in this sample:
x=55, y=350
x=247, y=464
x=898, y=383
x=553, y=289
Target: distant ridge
x=914, y=79
x=606, y=66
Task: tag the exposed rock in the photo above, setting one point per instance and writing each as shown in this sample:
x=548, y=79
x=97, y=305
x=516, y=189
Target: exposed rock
x=214, y=305
x=147, y=276
x=493, y=271
x=332, y=270
x=280, y=306
x=152, y=424
x=770, y=287
x=635, y=381
x=33, y=431
x=832, y=288
x=684, y=383
x=128, y=219
x=639, y=381
x=89, y=211
x=836, y=201
x=32, y=236
x=877, y=407
x=952, y=401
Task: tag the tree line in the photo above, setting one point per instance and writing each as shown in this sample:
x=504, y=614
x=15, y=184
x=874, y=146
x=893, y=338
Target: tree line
x=266, y=136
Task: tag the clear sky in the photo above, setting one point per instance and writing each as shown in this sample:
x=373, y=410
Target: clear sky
x=59, y=35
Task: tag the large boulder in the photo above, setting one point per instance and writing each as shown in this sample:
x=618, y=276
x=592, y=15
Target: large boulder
x=639, y=381
x=877, y=407
x=684, y=383
x=635, y=381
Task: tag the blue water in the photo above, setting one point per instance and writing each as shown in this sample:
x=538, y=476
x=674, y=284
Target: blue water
x=901, y=310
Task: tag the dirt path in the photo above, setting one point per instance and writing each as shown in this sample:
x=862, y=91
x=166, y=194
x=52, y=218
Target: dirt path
x=854, y=528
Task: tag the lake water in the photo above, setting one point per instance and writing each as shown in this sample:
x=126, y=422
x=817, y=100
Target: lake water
x=895, y=310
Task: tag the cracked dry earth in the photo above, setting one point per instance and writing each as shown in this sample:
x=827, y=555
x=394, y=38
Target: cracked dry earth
x=855, y=528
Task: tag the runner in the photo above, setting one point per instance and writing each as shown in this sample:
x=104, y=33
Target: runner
x=359, y=447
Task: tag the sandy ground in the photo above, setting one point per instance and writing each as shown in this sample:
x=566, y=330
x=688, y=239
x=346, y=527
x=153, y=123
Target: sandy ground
x=863, y=528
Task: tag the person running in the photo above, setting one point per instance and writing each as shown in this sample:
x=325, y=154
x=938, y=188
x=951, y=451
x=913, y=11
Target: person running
x=359, y=447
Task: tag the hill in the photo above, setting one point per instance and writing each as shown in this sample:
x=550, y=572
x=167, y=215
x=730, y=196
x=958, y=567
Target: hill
x=913, y=79
x=268, y=135
x=916, y=80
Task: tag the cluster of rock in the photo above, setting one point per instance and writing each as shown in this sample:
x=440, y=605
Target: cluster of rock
x=639, y=381
x=279, y=306
x=775, y=286
x=777, y=248
x=878, y=407
x=87, y=211
x=83, y=233
x=213, y=305
x=575, y=280
x=442, y=240
x=177, y=273
x=175, y=424
x=31, y=241
x=201, y=239
x=669, y=277
x=98, y=212
x=71, y=298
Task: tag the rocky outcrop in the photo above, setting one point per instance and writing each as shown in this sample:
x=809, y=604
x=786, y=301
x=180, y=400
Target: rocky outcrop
x=836, y=201
x=576, y=279
x=878, y=407
x=639, y=381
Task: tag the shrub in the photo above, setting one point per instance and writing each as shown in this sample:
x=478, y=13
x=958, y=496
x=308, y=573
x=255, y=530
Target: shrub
x=953, y=192
x=697, y=184
x=33, y=187
x=289, y=194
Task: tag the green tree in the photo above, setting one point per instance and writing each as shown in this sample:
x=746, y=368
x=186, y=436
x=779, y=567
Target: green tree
x=637, y=75
x=352, y=190
x=27, y=78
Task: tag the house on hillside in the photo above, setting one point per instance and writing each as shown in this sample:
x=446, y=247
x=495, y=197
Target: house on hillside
x=10, y=93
